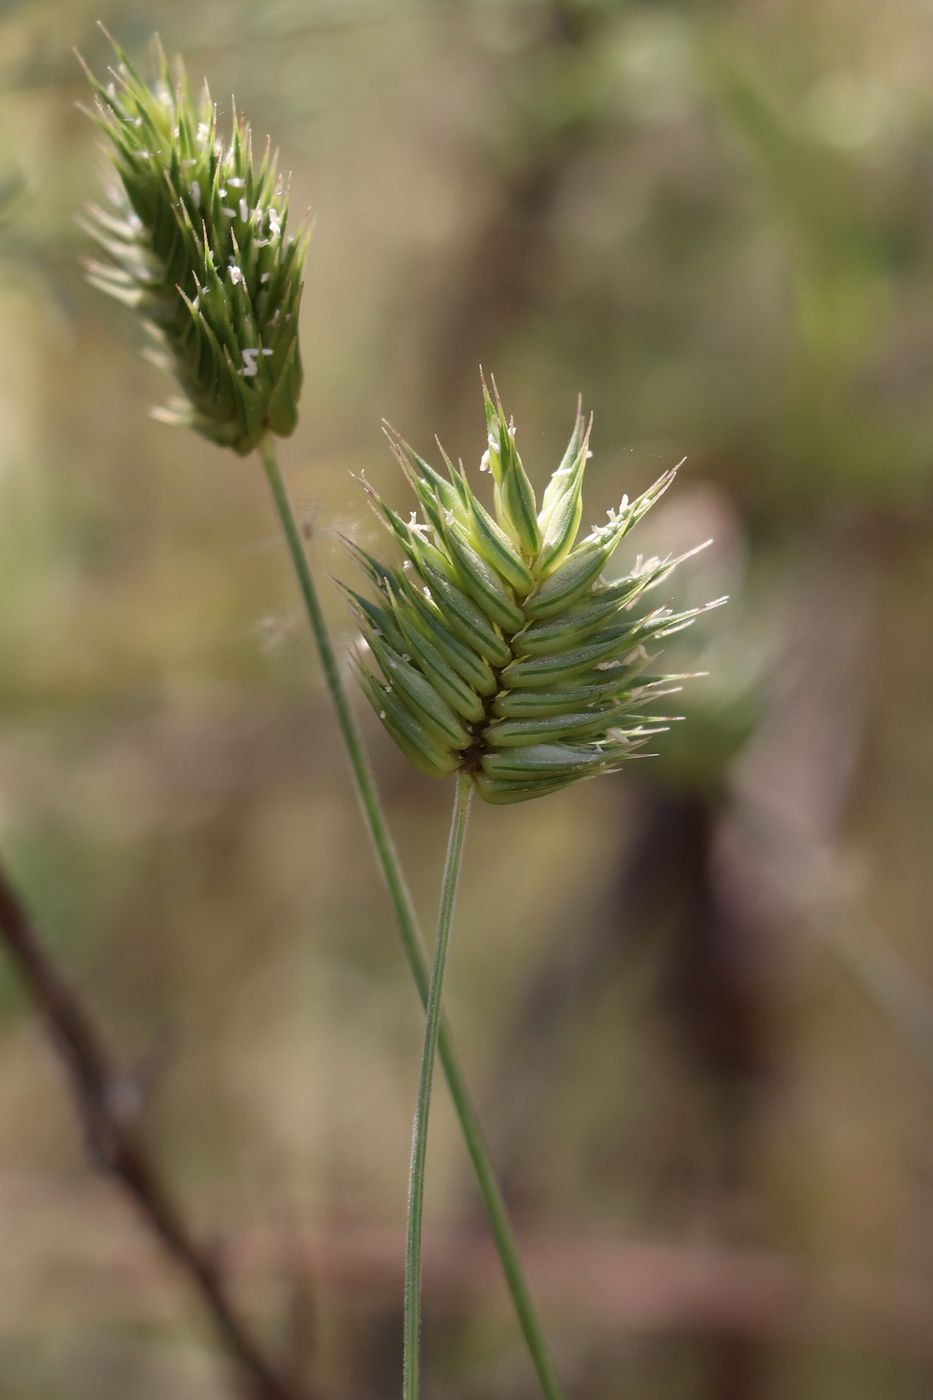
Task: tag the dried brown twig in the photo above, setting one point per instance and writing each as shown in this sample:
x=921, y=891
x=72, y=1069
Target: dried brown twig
x=108, y=1106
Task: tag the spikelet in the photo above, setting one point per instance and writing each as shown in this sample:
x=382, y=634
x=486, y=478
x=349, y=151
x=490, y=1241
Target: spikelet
x=499, y=648
x=196, y=243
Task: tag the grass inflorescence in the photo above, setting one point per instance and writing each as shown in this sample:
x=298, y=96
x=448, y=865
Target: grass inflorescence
x=501, y=649
x=196, y=242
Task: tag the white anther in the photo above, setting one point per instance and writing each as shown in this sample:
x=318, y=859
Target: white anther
x=250, y=363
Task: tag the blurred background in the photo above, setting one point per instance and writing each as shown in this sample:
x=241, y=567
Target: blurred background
x=694, y=1000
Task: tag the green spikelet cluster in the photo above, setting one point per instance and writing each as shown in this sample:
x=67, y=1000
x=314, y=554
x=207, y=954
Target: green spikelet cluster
x=196, y=244
x=501, y=650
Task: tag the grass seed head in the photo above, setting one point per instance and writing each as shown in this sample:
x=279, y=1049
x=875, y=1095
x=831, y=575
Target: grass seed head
x=495, y=646
x=195, y=241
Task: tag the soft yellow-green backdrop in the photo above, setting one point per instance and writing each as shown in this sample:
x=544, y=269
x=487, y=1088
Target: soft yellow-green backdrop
x=691, y=997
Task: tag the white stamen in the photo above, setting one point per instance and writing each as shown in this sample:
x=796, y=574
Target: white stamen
x=236, y=183
x=225, y=209
x=250, y=366
x=236, y=275
x=196, y=193
x=244, y=209
x=265, y=277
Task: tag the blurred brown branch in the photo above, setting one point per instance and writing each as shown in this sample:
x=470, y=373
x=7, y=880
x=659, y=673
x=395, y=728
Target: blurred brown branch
x=108, y=1103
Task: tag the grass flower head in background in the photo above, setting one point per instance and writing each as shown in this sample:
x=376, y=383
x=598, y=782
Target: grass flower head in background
x=196, y=243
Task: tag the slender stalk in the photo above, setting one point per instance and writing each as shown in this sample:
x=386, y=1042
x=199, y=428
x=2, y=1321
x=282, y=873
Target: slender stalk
x=412, y=942
x=411, y=1383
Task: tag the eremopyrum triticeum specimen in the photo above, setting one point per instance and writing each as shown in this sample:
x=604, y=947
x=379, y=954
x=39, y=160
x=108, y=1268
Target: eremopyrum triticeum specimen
x=502, y=651
x=197, y=245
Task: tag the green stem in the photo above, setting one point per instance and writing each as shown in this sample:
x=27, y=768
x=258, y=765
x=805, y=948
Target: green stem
x=411, y=1384
x=412, y=943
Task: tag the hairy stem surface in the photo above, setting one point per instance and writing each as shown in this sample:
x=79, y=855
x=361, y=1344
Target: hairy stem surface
x=419, y=1137
x=411, y=938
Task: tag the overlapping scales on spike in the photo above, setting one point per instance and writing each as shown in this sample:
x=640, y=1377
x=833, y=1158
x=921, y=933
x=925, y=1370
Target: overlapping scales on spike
x=196, y=243
x=495, y=646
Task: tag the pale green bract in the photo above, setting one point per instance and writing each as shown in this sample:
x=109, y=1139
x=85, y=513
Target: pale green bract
x=501, y=650
x=196, y=244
